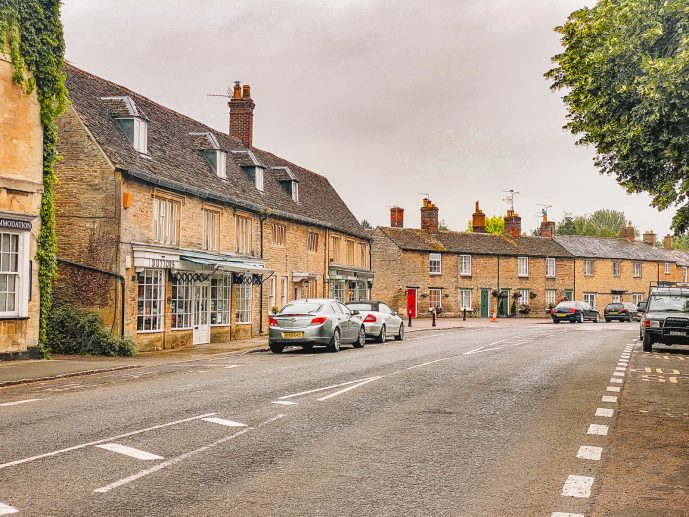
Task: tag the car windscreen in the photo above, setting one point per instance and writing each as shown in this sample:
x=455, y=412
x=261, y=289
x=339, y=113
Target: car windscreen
x=668, y=303
x=362, y=307
x=301, y=308
x=615, y=306
x=566, y=305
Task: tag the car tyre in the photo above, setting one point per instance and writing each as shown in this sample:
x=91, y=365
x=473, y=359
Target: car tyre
x=400, y=334
x=607, y=320
x=556, y=321
x=361, y=340
x=276, y=348
x=647, y=343
x=308, y=347
x=383, y=336
x=334, y=345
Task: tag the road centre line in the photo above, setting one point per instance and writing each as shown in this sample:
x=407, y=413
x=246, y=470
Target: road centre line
x=563, y=514
x=284, y=402
x=474, y=350
x=17, y=402
x=577, y=486
x=222, y=421
x=615, y=389
x=598, y=429
x=129, y=451
x=605, y=412
x=616, y=380
x=307, y=392
x=96, y=442
x=429, y=362
x=233, y=366
x=6, y=509
x=340, y=392
x=609, y=398
x=588, y=452
x=181, y=457
x=617, y=374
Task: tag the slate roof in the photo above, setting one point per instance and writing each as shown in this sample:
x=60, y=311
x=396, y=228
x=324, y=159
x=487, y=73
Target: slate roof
x=174, y=160
x=600, y=247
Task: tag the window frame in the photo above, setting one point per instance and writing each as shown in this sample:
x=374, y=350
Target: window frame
x=221, y=300
x=278, y=235
x=616, y=268
x=166, y=221
x=588, y=297
x=439, y=292
x=22, y=280
x=465, y=265
x=667, y=268
x=349, y=251
x=139, y=138
x=243, y=234
x=588, y=267
x=161, y=287
x=272, y=293
x=436, y=269
x=553, y=293
x=284, y=291
x=637, y=298
x=186, y=301
x=312, y=242
x=337, y=290
x=295, y=191
x=335, y=248
x=211, y=239
x=243, y=305
x=523, y=297
x=462, y=294
x=550, y=271
x=638, y=266
x=523, y=267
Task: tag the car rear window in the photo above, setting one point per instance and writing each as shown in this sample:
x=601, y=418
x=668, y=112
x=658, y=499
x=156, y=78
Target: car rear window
x=301, y=308
x=615, y=306
x=566, y=305
x=361, y=306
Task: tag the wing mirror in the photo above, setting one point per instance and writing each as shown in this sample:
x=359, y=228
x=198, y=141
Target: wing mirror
x=355, y=312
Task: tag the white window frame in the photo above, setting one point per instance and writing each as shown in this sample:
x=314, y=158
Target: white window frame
x=337, y=290
x=272, y=294
x=637, y=298
x=523, y=297
x=335, y=248
x=439, y=294
x=465, y=299
x=295, y=191
x=312, y=242
x=220, y=300
x=616, y=298
x=590, y=298
x=550, y=295
x=465, y=265
x=588, y=267
x=243, y=303
x=667, y=268
x=617, y=268
x=349, y=250
x=284, y=288
x=211, y=229
x=684, y=274
x=435, y=263
x=166, y=220
x=638, y=271
x=550, y=267
x=278, y=235
x=182, y=312
x=243, y=234
x=155, y=278
x=22, y=281
x=258, y=178
x=523, y=267
x=139, y=139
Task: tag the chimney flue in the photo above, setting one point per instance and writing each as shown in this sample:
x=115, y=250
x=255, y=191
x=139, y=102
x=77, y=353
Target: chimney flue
x=242, y=114
x=547, y=227
x=628, y=232
x=397, y=217
x=650, y=238
x=478, y=220
x=667, y=242
x=429, y=216
x=513, y=224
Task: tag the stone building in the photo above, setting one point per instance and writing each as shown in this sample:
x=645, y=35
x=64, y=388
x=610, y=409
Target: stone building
x=178, y=234
x=21, y=188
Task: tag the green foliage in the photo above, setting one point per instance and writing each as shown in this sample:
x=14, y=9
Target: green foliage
x=601, y=223
x=681, y=242
x=625, y=73
x=566, y=226
x=494, y=224
x=365, y=224
x=443, y=227
x=32, y=32
x=82, y=333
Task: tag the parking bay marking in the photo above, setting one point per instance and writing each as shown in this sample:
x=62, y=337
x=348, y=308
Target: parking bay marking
x=17, y=402
x=129, y=451
x=598, y=429
x=577, y=486
x=605, y=412
x=6, y=509
x=340, y=392
x=588, y=452
x=222, y=421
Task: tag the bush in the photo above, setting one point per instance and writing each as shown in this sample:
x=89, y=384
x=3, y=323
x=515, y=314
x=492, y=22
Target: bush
x=74, y=332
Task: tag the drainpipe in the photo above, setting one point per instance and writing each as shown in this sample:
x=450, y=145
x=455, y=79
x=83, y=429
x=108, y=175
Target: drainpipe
x=574, y=292
x=497, y=308
x=260, y=299
x=107, y=273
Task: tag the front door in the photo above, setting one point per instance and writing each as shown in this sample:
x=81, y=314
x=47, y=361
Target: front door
x=201, y=320
x=504, y=308
x=411, y=303
x=485, y=307
x=569, y=294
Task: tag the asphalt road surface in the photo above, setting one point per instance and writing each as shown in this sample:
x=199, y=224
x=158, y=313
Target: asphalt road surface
x=480, y=422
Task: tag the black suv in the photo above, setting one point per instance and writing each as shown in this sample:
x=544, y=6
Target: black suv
x=666, y=318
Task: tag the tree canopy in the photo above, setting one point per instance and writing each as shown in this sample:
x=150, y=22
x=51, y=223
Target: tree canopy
x=601, y=223
x=495, y=224
x=625, y=73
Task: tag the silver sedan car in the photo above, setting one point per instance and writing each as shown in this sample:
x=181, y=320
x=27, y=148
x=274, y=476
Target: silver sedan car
x=380, y=321
x=321, y=322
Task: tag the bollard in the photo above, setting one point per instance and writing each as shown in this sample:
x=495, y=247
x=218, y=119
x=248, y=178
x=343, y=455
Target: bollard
x=433, y=316
x=409, y=324
x=465, y=314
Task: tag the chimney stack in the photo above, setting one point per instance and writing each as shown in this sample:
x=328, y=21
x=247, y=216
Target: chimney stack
x=628, y=232
x=513, y=224
x=397, y=217
x=242, y=114
x=650, y=238
x=478, y=220
x=667, y=242
x=429, y=216
x=547, y=227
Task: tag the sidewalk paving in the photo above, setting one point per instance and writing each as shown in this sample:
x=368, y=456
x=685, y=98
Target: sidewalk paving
x=37, y=370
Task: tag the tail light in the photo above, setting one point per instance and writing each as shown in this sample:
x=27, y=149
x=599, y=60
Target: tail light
x=572, y=311
x=319, y=320
x=552, y=311
x=623, y=311
x=370, y=318
x=272, y=322
x=647, y=323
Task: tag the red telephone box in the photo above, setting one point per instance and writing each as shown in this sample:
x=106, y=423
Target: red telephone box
x=411, y=303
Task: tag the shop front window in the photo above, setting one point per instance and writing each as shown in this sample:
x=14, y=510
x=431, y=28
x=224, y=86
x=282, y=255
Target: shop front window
x=221, y=294
x=9, y=273
x=244, y=297
x=181, y=304
x=151, y=300
x=338, y=290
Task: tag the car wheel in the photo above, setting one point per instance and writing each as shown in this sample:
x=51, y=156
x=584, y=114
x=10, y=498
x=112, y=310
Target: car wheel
x=597, y=318
x=607, y=320
x=556, y=321
x=308, y=347
x=647, y=343
x=276, y=348
x=361, y=341
x=334, y=345
x=400, y=334
x=574, y=320
x=383, y=336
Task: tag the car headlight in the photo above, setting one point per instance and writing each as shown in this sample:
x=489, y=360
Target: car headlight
x=654, y=324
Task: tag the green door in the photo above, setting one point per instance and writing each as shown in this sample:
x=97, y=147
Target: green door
x=504, y=307
x=484, y=303
x=569, y=294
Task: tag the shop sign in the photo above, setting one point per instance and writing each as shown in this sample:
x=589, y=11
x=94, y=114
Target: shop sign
x=15, y=224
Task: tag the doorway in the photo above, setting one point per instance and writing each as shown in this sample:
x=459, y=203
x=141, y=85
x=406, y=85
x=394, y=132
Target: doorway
x=201, y=317
x=485, y=302
x=411, y=303
x=504, y=306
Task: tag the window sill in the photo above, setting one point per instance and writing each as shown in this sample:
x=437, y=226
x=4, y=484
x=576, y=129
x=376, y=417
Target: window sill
x=435, y=274
x=550, y=276
x=161, y=331
x=244, y=323
x=465, y=275
x=221, y=324
x=522, y=276
x=181, y=328
x=13, y=317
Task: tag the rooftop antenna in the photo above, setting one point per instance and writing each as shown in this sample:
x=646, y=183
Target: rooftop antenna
x=509, y=199
x=227, y=94
x=426, y=195
x=544, y=210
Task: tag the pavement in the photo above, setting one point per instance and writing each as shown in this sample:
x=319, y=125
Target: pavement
x=514, y=420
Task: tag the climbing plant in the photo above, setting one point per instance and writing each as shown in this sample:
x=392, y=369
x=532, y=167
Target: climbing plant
x=32, y=36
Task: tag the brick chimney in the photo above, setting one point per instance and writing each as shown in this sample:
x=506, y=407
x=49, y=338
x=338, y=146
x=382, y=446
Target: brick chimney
x=478, y=220
x=397, y=217
x=650, y=238
x=547, y=227
x=667, y=242
x=429, y=216
x=242, y=114
x=628, y=232
x=513, y=224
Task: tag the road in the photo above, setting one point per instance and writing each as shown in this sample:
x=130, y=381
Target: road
x=478, y=422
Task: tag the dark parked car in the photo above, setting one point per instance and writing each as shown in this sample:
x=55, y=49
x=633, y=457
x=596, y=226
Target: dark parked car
x=666, y=319
x=621, y=311
x=574, y=312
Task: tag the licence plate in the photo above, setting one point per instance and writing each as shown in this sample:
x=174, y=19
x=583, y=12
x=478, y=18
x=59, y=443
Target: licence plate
x=676, y=333
x=613, y=312
x=292, y=335
x=560, y=315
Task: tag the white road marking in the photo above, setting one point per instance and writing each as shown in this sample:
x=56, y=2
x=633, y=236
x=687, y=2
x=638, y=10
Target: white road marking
x=222, y=421
x=233, y=366
x=609, y=398
x=616, y=389
x=284, y=402
x=588, y=452
x=320, y=389
x=562, y=514
x=129, y=451
x=347, y=389
x=173, y=461
x=17, y=402
x=429, y=362
x=577, y=486
x=616, y=380
x=620, y=368
x=606, y=412
x=598, y=429
x=6, y=509
x=474, y=350
x=617, y=374
x=96, y=442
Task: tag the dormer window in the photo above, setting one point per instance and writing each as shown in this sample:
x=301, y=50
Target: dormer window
x=295, y=191
x=253, y=169
x=258, y=177
x=136, y=130
x=288, y=180
x=218, y=160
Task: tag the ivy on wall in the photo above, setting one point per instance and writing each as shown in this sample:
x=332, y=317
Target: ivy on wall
x=33, y=37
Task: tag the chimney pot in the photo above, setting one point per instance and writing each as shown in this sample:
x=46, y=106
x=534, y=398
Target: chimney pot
x=429, y=216
x=397, y=217
x=246, y=91
x=237, y=90
x=547, y=227
x=650, y=238
x=242, y=114
x=478, y=220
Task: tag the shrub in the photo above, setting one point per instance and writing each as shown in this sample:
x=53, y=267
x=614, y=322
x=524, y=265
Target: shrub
x=75, y=332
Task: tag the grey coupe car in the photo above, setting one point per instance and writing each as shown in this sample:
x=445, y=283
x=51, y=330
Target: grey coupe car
x=321, y=322
x=379, y=320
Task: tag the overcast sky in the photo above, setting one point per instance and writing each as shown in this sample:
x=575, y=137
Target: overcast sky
x=387, y=98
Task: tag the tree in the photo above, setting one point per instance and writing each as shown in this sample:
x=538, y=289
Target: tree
x=443, y=227
x=495, y=225
x=365, y=224
x=566, y=226
x=624, y=69
x=601, y=223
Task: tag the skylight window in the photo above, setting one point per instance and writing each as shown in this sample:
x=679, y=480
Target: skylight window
x=136, y=131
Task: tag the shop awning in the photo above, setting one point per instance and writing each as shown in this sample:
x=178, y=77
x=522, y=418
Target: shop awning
x=338, y=273
x=298, y=276
x=225, y=265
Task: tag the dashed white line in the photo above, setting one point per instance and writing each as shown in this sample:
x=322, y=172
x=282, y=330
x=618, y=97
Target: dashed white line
x=616, y=380
x=598, y=429
x=620, y=368
x=129, y=451
x=577, y=486
x=345, y=390
x=6, y=509
x=429, y=362
x=316, y=390
x=222, y=421
x=474, y=350
x=563, y=514
x=588, y=452
x=284, y=402
x=615, y=389
x=17, y=402
x=233, y=366
x=609, y=398
x=605, y=412
x=617, y=374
